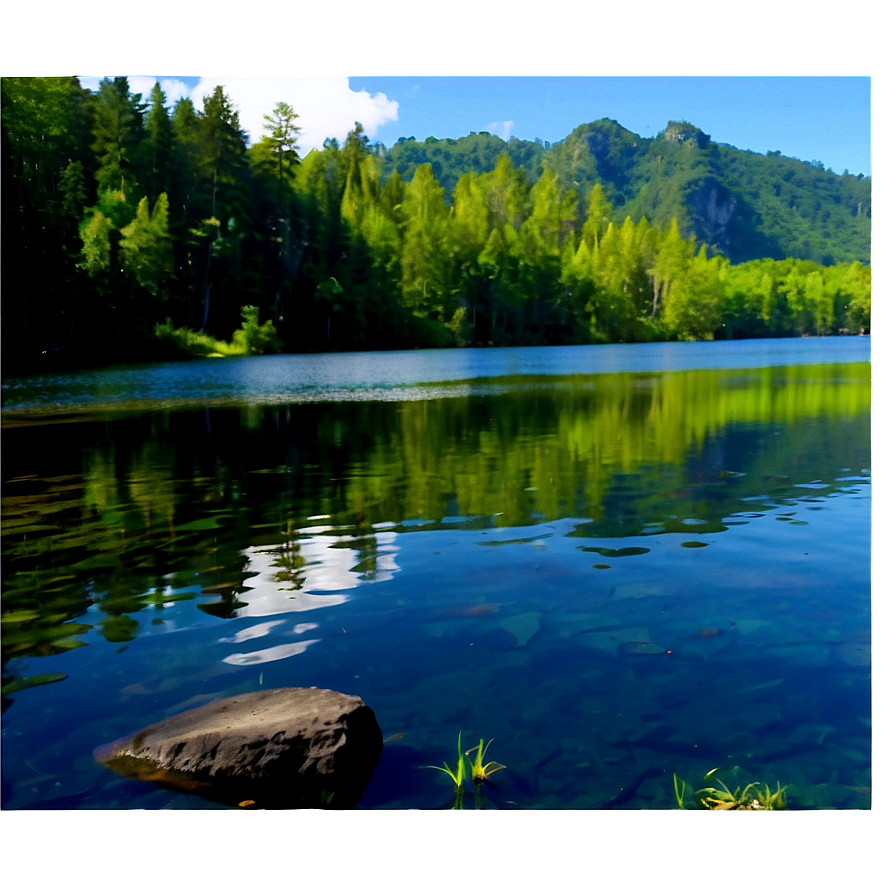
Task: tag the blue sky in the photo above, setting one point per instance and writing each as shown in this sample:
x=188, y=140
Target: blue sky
x=827, y=119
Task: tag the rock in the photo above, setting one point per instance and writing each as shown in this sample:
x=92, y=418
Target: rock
x=639, y=648
x=281, y=748
x=749, y=626
x=609, y=639
x=524, y=626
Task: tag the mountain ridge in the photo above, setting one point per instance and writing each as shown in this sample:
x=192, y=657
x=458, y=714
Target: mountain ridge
x=742, y=204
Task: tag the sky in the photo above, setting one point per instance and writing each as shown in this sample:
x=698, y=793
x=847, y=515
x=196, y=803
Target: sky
x=827, y=119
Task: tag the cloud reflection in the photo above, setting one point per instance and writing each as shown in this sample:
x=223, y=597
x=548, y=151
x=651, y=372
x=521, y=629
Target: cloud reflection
x=269, y=654
x=313, y=570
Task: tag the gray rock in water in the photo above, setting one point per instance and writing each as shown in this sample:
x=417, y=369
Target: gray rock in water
x=283, y=748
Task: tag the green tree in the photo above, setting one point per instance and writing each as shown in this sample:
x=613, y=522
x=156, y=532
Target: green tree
x=425, y=279
x=116, y=134
x=156, y=150
x=146, y=250
x=692, y=309
x=281, y=141
x=96, y=236
x=46, y=161
x=223, y=175
x=600, y=214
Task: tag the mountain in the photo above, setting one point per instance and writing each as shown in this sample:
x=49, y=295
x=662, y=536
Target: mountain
x=741, y=204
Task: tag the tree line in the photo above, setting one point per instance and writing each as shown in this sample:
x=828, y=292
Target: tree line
x=127, y=220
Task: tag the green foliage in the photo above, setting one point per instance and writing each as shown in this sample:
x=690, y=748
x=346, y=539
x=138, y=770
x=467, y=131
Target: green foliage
x=603, y=237
x=680, y=787
x=457, y=774
x=478, y=772
x=146, y=245
x=116, y=134
x=255, y=339
x=250, y=339
x=752, y=796
x=95, y=235
x=741, y=204
x=451, y=159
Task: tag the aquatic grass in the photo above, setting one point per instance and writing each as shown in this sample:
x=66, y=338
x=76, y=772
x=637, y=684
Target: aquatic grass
x=752, y=796
x=457, y=775
x=721, y=797
x=773, y=800
x=480, y=771
x=679, y=793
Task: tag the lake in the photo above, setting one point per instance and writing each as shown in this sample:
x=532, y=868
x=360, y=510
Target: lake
x=619, y=563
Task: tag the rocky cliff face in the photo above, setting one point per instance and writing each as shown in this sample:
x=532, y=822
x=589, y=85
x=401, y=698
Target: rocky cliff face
x=712, y=207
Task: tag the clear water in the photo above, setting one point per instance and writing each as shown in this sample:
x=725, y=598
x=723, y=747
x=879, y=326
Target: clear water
x=619, y=563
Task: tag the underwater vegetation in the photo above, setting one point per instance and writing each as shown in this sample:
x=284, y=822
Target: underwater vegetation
x=479, y=771
x=753, y=796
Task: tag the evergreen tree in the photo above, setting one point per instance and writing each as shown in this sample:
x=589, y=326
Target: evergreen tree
x=281, y=141
x=222, y=172
x=156, y=150
x=116, y=135
x=692, y=309
x=425, y=279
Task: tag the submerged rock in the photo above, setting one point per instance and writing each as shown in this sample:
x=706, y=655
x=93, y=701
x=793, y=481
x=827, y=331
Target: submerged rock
x=639, y=648
x=282, y=748
x=523, y=626
x=609, y=639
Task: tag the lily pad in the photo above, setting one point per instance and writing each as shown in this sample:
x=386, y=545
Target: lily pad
x=694, y=544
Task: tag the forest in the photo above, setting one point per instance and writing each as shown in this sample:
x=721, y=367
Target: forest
x=138, y=230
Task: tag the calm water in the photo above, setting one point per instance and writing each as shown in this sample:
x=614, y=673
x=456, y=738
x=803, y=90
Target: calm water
x=619, y=562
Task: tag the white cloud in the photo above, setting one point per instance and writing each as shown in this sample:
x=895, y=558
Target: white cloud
x=502, y=128
x=174, y=88
x=327, y=107
x=89, y=81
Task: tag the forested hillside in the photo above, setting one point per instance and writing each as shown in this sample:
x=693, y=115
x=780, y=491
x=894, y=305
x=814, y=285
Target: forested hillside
x=133, y=230
x=742, y=204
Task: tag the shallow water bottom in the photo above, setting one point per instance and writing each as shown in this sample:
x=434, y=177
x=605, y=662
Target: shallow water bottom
x=596, y=682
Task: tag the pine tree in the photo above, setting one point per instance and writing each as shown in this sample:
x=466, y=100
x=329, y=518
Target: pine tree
x=116, y=134
x=157, y=149
x=281, y=141
x=424, y=262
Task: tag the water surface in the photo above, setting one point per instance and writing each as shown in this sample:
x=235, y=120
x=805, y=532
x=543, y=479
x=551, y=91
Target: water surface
x=618, y=564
